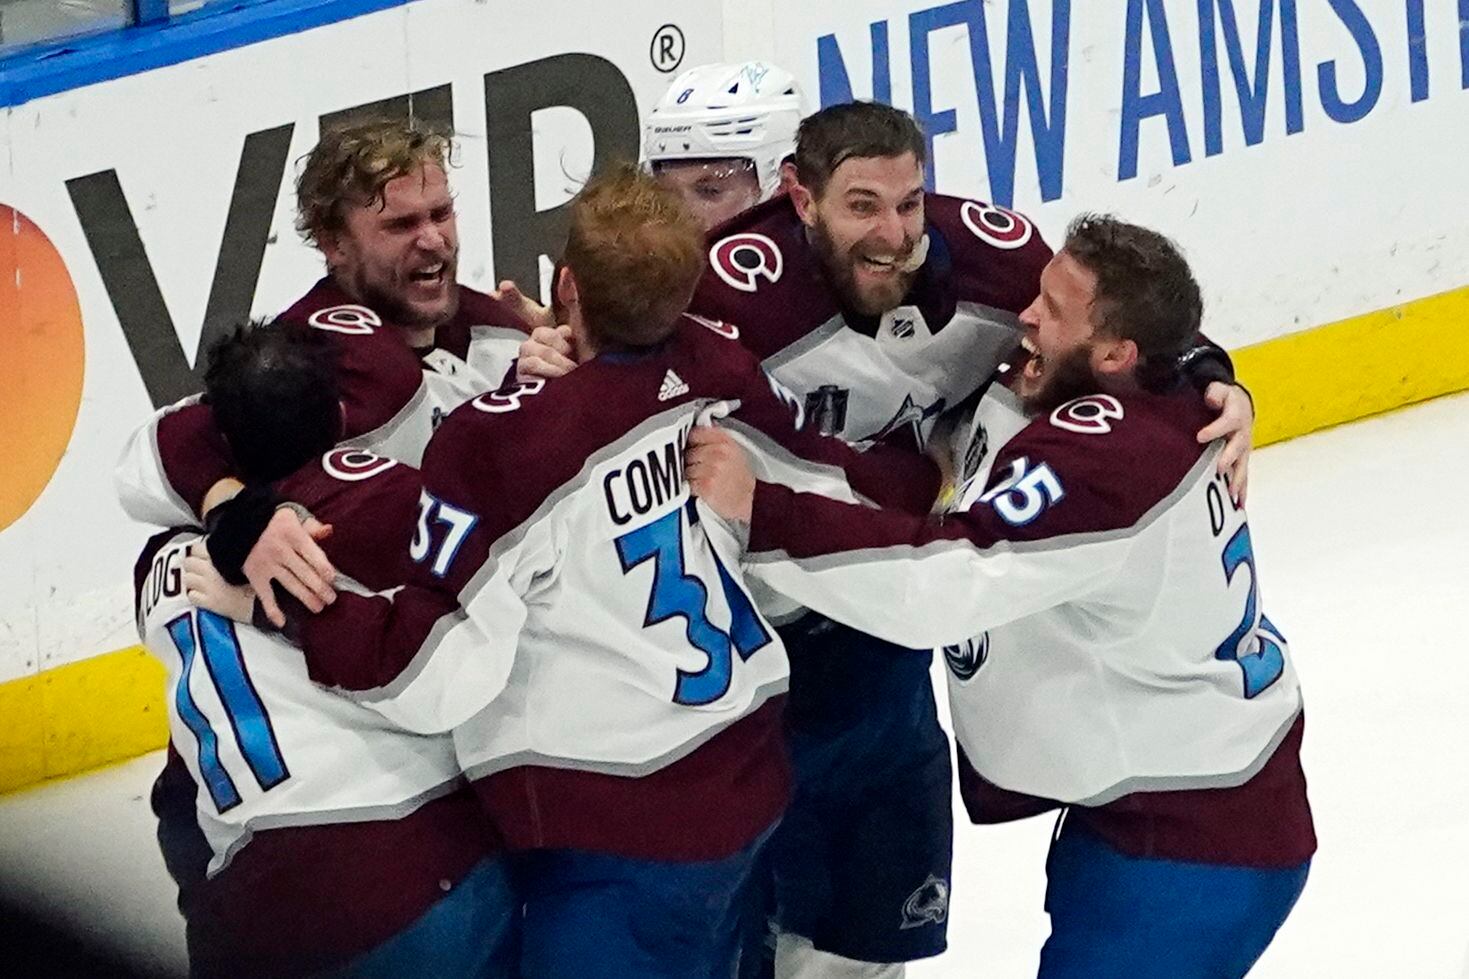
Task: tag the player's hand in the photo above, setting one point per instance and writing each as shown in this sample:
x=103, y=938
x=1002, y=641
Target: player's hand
x=547, y=353
x=526, y=309
x=288, y=553
x=1235, y=425
x=207, y=589
x=719, y=474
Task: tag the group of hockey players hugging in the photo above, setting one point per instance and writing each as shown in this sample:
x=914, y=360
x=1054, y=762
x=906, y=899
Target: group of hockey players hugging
x=594, y=639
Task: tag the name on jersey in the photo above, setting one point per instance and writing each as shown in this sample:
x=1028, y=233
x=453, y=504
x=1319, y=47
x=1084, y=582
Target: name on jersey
x=646, y=482
x=165, y=580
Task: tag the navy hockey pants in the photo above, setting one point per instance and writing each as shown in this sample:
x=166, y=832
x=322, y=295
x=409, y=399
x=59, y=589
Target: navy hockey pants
x=1113, y=915
x=600, y=916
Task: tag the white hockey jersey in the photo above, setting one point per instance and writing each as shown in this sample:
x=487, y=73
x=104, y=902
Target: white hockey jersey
x=266, y=746
x=575, y=621
x=1094, y=588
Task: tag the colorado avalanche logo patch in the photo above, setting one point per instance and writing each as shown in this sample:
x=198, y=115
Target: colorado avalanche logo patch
x=966, y=658
x=995, y=225
x=354, y=465
x=742, y=260
x=350, y=319
x=1091, y=415
x=927, y=905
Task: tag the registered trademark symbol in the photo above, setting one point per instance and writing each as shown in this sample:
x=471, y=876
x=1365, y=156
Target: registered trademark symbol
x=666, y=51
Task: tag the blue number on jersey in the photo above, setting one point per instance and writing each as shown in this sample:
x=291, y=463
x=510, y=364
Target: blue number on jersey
x=213, y=637
x=678, y=593
x=1255, y=643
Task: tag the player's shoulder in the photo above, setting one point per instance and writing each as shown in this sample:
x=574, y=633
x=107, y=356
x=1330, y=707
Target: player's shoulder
x=327, y=308
x=761, y=264
x=716, y=342
x=485, y=426
x=1117, y=456
x=369, y=500
x=348, y=477
x=995, y=254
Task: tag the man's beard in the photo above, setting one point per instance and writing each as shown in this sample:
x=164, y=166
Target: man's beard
x=393, y=309
x=1066, y=379
x=841, y=272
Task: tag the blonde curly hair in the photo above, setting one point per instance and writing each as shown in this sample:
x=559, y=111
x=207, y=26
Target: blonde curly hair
x=351, y=166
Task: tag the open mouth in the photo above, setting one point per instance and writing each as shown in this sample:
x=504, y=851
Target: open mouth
x=429, y=275
x=881, y=265
x=1035, y=366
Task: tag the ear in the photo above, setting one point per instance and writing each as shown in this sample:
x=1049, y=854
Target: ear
x=1114, y=357
x=565, y=287
x=805, y=202
x=330, y=245
x=787, y=176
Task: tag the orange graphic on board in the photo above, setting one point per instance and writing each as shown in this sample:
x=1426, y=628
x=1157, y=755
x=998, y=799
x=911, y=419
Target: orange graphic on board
x=42, y=350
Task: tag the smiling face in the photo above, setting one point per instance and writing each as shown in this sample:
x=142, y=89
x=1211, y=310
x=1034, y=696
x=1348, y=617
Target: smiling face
x=867, y=224
x=714, y=190
x=1060, y=335
x=400, y=255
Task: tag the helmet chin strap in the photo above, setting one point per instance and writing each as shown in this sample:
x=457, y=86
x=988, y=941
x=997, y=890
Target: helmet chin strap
x=917, y=257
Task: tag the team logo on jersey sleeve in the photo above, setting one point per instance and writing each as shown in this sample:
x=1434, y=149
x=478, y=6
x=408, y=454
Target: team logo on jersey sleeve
x=355, y=465
x=349, y=319
x=1091, y=415
x=995, y=225
x=743, y=259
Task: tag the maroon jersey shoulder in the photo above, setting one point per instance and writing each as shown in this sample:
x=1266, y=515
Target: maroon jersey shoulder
x=378, y=373
x=508, y=449
x=764, y=275
x=371, y=504
x=1100, y=462
x=996, y=255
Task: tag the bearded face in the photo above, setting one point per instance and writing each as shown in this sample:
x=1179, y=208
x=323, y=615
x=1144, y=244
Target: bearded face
x=867, y=226
x=400, y=256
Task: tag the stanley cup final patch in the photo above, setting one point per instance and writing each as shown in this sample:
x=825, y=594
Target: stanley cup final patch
x=927, y=905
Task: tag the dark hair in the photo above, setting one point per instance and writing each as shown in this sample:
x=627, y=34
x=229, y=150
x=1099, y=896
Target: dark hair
x=636, y=253
x=838, y=133
x=1145, y=291
x=274, y=393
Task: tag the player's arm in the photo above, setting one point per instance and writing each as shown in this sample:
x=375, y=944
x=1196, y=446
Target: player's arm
x=1210, y=370
x=170, y=464
x=771, y=422
x=925, y=582
x=441, y=649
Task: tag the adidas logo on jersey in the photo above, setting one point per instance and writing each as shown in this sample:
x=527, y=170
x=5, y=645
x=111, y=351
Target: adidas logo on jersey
x=672, y=387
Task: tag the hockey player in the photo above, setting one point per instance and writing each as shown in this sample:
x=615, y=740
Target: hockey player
x=413, y=342
x=614, y=695
x=720, y=135
x=1096, y=591
x=878, y=305
x=719, y=138
x=337, y=842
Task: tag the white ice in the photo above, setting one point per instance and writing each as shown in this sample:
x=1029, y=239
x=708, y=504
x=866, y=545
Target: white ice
x=1362, y=536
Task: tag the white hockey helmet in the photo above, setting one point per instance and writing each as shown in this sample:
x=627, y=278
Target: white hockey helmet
x=746, y=111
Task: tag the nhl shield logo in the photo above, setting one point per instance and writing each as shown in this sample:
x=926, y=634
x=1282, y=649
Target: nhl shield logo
x=966, y=658
x=927, y=905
